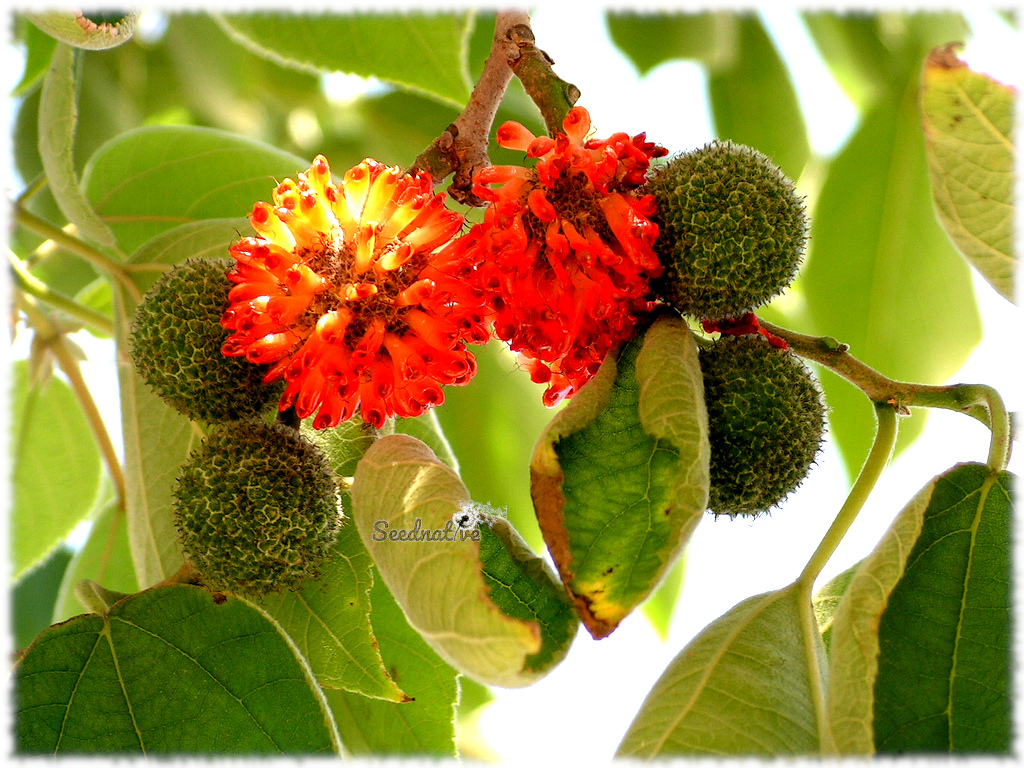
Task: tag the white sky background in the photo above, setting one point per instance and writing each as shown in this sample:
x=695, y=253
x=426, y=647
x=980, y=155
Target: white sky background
x=579, y=713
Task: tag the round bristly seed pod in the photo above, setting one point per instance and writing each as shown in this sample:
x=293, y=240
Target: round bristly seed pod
x=766, y=420
x=256, y=508
x=732, y=230
x=175, y=341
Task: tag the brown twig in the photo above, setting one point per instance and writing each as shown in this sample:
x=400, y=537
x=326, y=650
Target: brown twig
x=462, y=148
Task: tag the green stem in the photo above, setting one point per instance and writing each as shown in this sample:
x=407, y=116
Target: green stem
x=98, y=259
x=30, y=284
x=976, y=400
x=53, y=338
x=881, y=450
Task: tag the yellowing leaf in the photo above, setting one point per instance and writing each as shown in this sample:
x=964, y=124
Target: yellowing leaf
x=479, y=596
x=620, y=476
x=968, y=126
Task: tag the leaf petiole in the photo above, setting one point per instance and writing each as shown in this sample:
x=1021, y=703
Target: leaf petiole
x=881, y=450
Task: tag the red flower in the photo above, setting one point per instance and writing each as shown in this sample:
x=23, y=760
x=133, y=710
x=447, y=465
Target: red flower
x=570, y=242
x=345, y=292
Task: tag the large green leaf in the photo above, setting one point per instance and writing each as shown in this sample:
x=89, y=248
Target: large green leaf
x=152, y=179
x=852, y=48
x=620, y=477
x=425, y=52
x=751, y=85
x=882, y=276
x=920, y=642
x=328, y=619
x=968, y=126
x=104, y=558
x=58, y=118
x=944, y=668
x=751, y=683
x=228, y=683
x=56, y=467
x=33, y=597
x=649, y=39
x=422, y=726
x=483, y=601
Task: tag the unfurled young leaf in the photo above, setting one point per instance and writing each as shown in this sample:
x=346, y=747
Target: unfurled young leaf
x=920, y=642
x=620, y=476
x=750, y=684
x=476, y=593
x=968, y=128
x=172, y=670
x=92, y=31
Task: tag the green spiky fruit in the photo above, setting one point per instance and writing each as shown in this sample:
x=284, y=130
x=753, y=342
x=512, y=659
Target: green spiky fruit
x=732, y=230
x=256, y=508
x=175, y=342
x=766, y=419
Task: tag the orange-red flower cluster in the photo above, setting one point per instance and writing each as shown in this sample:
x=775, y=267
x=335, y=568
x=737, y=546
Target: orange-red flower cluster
x=355, y=294
x=568, y=244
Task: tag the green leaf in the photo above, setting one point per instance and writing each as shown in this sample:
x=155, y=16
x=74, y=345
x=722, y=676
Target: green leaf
x=56, y=468
x=424, y=725
x=39, y=48
x=152, y=179
x=404, y=500
x=328, y=619
x=749, y=684
x=94, y=32
x=945, y=666
x=58, y=117
x=620, y=477
x=32, y=599
x=104, y=558
x=424, y=52
x=881, y=271
x=920, y=642
x=228, y=683
x=660, y=607
x=827, y=599
x=651, y=39
x=852, y=48
x=755, y=83
x=968, y=126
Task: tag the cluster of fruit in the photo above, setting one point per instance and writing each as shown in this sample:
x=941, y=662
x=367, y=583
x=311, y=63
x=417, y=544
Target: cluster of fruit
x=256, y=505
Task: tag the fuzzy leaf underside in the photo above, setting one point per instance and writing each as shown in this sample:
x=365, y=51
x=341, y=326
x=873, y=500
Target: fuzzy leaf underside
x=968, y=126
x=439, y=581
x=748, y=685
